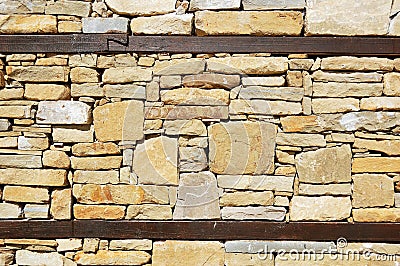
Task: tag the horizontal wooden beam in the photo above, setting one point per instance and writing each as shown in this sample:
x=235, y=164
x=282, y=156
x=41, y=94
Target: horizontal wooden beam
x=202, y=230
x=103, y=43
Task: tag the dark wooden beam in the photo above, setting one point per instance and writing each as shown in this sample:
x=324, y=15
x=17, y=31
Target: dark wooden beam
x=202, y=230
x=103, y=43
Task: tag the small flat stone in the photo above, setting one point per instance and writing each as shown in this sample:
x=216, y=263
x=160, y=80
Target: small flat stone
x=271, y=213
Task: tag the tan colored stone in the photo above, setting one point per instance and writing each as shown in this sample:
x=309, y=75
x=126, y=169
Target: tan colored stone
x=32, y=144
x=192, y=159
x=26, y=257
x=131, y=244
x=107, y=212
x=263, y=81
x=347, y=18
x=9, y=211
x=149, y=212
x=129, y=91
x=180, y=67
x=194, y=96
x=96, y=177
x=171, y=24
x=332, y=105
x=247, y=198
x=61, y=204
x=249, y=23
x=38, y=73
x=25, y=194
x=33, y=177
x=248, y=65
x=33, y=242
x=254, y=213
x=146, y=61
x=284, y=157
x=63, y=112
x=119, y=121
x=347, y=77
x=272, y=93
x=36, y=211
x=20, y=161
x=70, y=8
x=214, y=5
x=376, y=165
x=372, y=191
x=51, y=61
x=172, y=252
x=264, y=107
x=300, y=64
x=69, y=27
x=211, y=80
x=185, y=127
x=141, y=7
x=242, y=148
x=325, y=190
x=324, y=166
x=352, y=63
x=261, y=182
x=323, y=208
x=377, y=215
x=56, y=159
x=86, y=89
x=9, y=142
x=380, y=103
x=233, y=259
x=155, y=161
x=126, y=75
x=46, y=92
x=106, y=257
x=301, y=123
x=389, y=147
x=294, y=78
x=84, y=75
x=96, y=148
x=15, y=111
x=302, y=140
x=96, y=163
x=25, y=24
x=391, y=83
x=11, y=94
x=73, y=134
x=70, y=244
x=187, y=112
x=337, y=89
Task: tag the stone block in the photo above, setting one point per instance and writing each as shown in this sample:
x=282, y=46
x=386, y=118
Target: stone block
x=248, y=65
x=372, y=191
x=105, y=25
x=211, y=80
x=389, y=147
x=46, y=92
x=377, y=215
x=38, y=73
x=33, y=177
x=107, y=212
x=264, y=107
x=96, y=177
x=300, y=140
x=106, y=257
x=272, y=93
x=179, y=67
x=25, y=194
x=149, y=212
x=126, y=75
x=86, y=90
x=69, y=8
x=270, y=213
x=27, y=24
x=20, y=161
x=10, y=211
x=338, y=89
x=380, y=103
x=130, y=91
x=247, y=198
x=260, y=182
x=61, y=204
x=194, y=96
x=376, y=165
x=96, y=163
x=73, y=134
x=273, y=4
x=131, y=244
x=334, y=105
x=170, y=24
x=141, y=7
x=192, y=127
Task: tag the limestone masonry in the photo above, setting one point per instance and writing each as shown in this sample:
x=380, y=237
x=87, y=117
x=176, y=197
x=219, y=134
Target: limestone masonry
x=159, y=136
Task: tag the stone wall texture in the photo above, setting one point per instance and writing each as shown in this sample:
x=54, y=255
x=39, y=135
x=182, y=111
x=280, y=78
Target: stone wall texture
x=161, y=137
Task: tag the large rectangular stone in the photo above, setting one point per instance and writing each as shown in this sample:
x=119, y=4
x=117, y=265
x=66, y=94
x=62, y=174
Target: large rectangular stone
x=273, y=4
x=272, y=93
x=106, y=257
x=46, y=92
x=264, y=107
x=105, y=25
x=19, y=7
x=287, y=23
x=342, y=17
x=106, y=212
x=380, y=103
x=325, y=190
x=190, y=66
x=334, y=105
x=171, y=24
x=126, y=75
x=323, y=208
x=63, y=112
x=214, y=5
x=149, y=212
x=96, y=163
x=70, y=8
x=270, y=213
x=372, y=190
x=302, y=140
x=96, y=148
x=26, y=257
x=377, y=215
x=25, y=194
x=195, y=96
x=337, y=89
x=260, y=182
x=130, y=91
x=248, y=65
x=211, y=80
x=389, y=147
x=351, y=63
x=25, y=24
x=73, y=134
x=86, y=89
x=15, y=111
x=376, y=165
x=242, y=148
x=33, y=177
x=347, y=77
x=21, y=161
x=187, y=112
x=247, y=198
x=9, y=211
x=96, y=177
x=38, y=73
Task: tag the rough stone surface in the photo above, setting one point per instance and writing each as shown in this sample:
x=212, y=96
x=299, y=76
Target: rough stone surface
x=18, y=7
x=337, y=89
x=192, y=252
x=130, y=91
x=261, y=182
x=149, y=212
x=380, y=103
x=105, y=25
x=347, y=77
x=126, y=75
x=86, y=89
x=68, y=134
x=272, y=4
x=32, y=144
x=141, y=7
x=186, y=112
x=376, y=165
x=36, y=211
x=26, y=257
x=96, y=177
x=248, y=65
x=264, y=107
x=179, y=67
x=325, y=190
x=334, y=105
x=69, y=244
x=242, y=148
x=377, y=215
x=328, y=165
x=324, y=208
x=247, y=198
x=108, y=212
x=61, y=204
x=249, y=22
x=302, y=140
x=20, y=161
x=83, y=75
x=389, y=147
x=391, y=83
x=96, y=148
x=185, y=127
x=197, y=197
x=119, y=121
x=211, y=81
x=71, y=8
x=131, y=244
x=106, y=257
x=63, y=112
x=192, y=159
x=271, y=213
x=271, y=93
x=4, y=124
x=347, y=18
x=194, y=96
x=47, y=92
x=232, y=259
x=263, y=81
x=9, y=211
x=25, y=24
x=38, y=73
x=25, y=194
x=96, y=163
x=33, y=177
x=351, y=63
x=171, y=24
x=214, y=5
x=155, y=161
x=15, y=111
x=372, y=191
